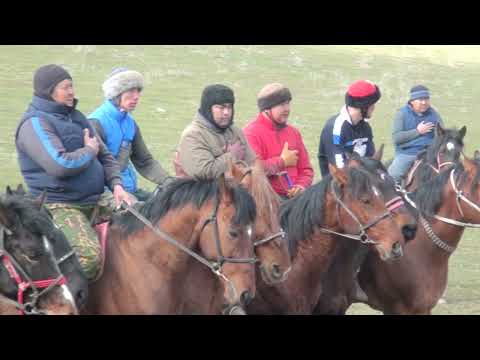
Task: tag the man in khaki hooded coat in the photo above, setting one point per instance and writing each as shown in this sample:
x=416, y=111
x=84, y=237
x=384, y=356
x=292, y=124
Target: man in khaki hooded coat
x=211, y=140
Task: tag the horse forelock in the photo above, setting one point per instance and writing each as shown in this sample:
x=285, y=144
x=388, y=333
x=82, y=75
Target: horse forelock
x=266, y=199
x=29, y=216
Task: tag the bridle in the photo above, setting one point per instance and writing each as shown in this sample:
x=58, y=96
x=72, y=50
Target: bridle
x=440, y=164
x=16, y=272
x=363, y=237
x=459, y=196
x=214, y=266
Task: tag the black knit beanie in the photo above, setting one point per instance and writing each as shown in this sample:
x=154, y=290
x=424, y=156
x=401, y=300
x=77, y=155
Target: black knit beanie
x=46, y=78
x=215, y=95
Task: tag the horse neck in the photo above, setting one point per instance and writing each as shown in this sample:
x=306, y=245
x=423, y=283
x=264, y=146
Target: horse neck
x=302, y=289
x=155, y=253
x=144, y=268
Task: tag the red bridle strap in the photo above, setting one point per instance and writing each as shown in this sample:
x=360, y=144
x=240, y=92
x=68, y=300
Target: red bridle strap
x=394, y=204
x=24, y=285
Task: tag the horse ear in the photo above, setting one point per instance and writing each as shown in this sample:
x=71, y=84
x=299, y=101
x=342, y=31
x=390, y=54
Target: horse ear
x=476, y=155
x=439, y=131
x=339, y=174
x=379, y=153
x=469, y=165
x=223, y=188
x=21, y=190
x=236, y=173
x=41, y=199
x=229, y=172
x=463, y=131
x=9, y=190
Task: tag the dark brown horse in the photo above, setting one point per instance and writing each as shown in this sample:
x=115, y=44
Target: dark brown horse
x=270, y=244
x=144, y=273
x=347, y=203
x=446, y=205
x=30, y=279
x=338, y=290
x=441, y=154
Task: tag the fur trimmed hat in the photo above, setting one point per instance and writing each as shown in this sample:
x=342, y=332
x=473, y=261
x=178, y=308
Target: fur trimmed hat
x=361, y=94
x=272, y=95
x=121, y=80
x=215, y=94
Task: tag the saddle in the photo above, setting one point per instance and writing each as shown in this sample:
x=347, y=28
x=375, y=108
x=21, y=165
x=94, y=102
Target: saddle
x=102, y=235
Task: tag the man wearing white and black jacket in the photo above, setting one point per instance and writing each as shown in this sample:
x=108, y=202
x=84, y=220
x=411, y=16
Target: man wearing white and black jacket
x=349, y=130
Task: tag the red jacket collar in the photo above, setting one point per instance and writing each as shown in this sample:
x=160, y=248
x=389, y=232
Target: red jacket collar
x=265, y=121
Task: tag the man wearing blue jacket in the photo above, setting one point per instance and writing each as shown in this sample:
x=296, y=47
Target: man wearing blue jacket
x=119, y=131
x=413, y=130
x=59, y=152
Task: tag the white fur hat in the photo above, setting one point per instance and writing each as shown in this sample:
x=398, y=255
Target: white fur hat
x=121, y=80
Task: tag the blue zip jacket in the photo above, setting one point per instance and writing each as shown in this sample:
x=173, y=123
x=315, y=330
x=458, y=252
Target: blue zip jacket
x=119, y=130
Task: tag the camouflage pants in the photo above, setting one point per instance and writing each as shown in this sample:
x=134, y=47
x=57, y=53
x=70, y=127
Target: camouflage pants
x=75, y=222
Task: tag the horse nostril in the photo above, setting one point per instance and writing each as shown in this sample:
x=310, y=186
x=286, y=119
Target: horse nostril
x=245, y=298
x=276, y=273
x=397, y=250
x=409, y=231
x=81, y=297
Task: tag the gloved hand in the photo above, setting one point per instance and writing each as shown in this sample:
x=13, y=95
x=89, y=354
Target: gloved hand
x=237, y=150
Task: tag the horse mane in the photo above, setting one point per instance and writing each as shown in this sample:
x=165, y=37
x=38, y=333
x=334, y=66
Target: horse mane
x=429, y=196
x=301, y=215
x=263, y=194
x=185, y=191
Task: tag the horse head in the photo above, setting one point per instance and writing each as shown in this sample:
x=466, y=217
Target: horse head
x=65, y=256
x=365, y=206
x=381, y=179
x=269, y=239
x=225, y=238
x=29, y=275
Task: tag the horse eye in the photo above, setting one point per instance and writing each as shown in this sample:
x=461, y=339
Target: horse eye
x=233, y=233
x=35, y=254
x=365, y=200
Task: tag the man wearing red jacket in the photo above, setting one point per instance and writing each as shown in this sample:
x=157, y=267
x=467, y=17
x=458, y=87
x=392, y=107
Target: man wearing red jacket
x=278, y=144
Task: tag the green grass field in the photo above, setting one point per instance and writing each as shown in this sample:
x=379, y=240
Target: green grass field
x=317, y=76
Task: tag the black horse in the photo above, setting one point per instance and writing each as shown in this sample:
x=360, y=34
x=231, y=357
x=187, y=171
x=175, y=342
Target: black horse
x=65, y=256
x=444, y=152
x=30, y=279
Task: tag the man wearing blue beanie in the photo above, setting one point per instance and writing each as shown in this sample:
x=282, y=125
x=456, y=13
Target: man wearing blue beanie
x=413, y=130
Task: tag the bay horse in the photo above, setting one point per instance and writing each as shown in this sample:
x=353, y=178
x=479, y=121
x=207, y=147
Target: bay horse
x=338, y=287
x=65, y=256
x=30, y=279
x=144, y=272
x=203, y=294
x=443, y=152
x=446, y=205
x=347, y=203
